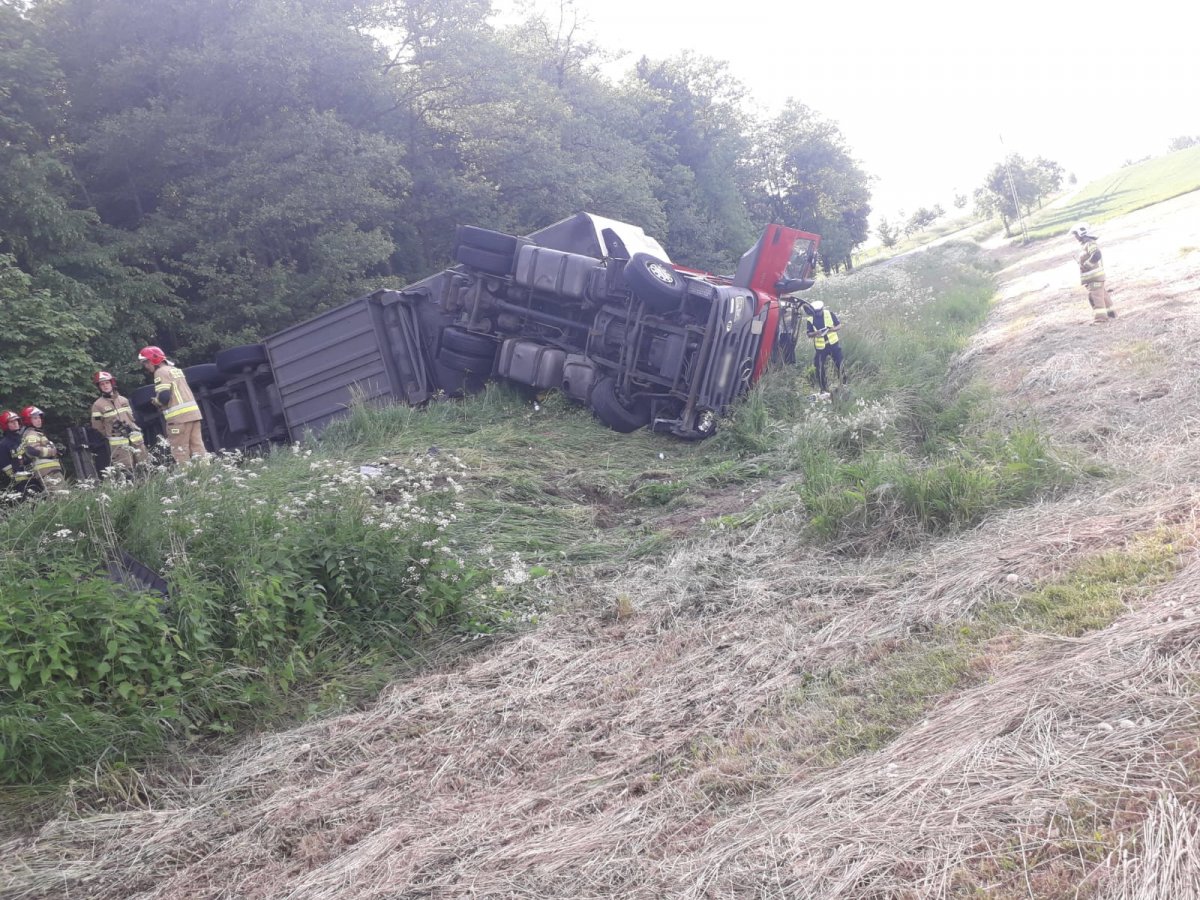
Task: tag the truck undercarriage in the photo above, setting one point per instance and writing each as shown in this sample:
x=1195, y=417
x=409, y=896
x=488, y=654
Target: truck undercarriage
x=587, y=306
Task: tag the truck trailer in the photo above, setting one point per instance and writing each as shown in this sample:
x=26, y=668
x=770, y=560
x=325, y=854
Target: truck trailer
x=589, y=306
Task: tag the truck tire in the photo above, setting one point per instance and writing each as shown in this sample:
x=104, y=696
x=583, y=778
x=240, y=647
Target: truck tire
x=486, y=239
x=484, y=260
x=466, y=362
x=236, y=359
x=612, y=412
x=462, y=341
x=204, y=375
x=658, y=284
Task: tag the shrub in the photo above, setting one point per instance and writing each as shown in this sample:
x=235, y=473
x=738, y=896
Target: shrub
x=270, y=563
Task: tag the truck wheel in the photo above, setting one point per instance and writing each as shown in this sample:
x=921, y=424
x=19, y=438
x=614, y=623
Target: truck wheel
x=612, y=412
x=468, y=343
x=484, y=260
x=658, y=285
x=204, y=375
x=236, y=359
x=466, y=362
x=486, y=239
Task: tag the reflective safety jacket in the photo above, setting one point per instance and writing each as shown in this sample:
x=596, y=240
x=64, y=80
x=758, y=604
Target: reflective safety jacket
x=112, y=416
x=181, y=406
x=40, y=452
x=11, y=463
x=826, y=320
x=1091, y=263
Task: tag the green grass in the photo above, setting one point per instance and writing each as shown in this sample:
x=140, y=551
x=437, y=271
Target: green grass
x=861, y=708
x=283, y=571
x=961, y=225
x=289, y=572
x=1126, y=190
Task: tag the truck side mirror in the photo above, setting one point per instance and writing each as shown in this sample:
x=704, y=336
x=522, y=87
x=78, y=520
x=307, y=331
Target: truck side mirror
x=793, y=285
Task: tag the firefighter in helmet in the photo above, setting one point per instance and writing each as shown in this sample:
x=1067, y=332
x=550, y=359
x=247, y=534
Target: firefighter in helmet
x=179, y=408
x=822, y=326
x=15, y=471
x=112, y=416
x=40, y=453
x=1091, y=274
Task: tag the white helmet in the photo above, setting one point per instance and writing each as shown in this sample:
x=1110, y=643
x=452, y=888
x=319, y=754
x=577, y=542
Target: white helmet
x=1082, y=230
x=816, y=305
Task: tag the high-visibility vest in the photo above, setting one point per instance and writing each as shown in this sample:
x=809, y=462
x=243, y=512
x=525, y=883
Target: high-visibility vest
x=182, y=406
x=826, y=317
x=1091, y=263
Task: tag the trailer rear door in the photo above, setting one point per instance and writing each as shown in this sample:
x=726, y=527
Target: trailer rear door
x=365, y=351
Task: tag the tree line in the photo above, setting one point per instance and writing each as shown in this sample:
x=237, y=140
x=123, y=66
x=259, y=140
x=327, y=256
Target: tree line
x=201, y=173
x=1012, y=186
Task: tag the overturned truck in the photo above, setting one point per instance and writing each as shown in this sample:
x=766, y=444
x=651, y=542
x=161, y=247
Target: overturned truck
x=588, y=306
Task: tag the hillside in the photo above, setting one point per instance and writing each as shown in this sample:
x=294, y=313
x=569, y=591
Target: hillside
x=1008, y=709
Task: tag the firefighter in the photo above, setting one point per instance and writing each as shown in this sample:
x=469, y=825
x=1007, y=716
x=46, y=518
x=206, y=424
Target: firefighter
x=12, y=466
x=179, y=408
x=1091, y=274
x=112, y=416
x=822, y=325
x=40, y=453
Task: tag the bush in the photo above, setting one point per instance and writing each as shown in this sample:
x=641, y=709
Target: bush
x=271, y=563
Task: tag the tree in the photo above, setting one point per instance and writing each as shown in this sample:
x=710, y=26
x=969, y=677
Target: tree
x=237, y=150
x=1183, y=142
x=70, y=261
x=690, y=109
x=960, y=200
x=800, y=172
x=888, y=234
x=1032, y=182
x=922, y=219
x=44, y=345
x=1047, y=177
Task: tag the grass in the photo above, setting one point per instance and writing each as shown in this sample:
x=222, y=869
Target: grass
x=961, y=225
x=1124, y=191
x=284, y=573
x=288, y=572
x=860, y=709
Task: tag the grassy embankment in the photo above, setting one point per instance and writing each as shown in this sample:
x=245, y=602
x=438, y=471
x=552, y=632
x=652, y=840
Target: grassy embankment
x=1124, y=191
x=303, y=581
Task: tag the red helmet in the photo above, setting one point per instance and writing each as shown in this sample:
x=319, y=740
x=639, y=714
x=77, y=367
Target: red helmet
x=103, y=376
x=152, y=355
x=27, y=414
x=7, y=418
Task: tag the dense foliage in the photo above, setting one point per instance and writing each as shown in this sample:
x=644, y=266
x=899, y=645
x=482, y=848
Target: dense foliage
x=278, y=570
x=200, y=174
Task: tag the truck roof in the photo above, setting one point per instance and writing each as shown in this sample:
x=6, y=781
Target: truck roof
x=598, y=236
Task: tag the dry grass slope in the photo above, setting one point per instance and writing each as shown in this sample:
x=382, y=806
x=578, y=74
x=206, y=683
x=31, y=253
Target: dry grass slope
x=668, y=734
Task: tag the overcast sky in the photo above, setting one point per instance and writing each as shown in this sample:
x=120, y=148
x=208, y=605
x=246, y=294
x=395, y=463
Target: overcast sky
x=923, y=91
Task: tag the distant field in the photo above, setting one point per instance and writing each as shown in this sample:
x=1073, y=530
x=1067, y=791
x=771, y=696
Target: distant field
x=1133, y=187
